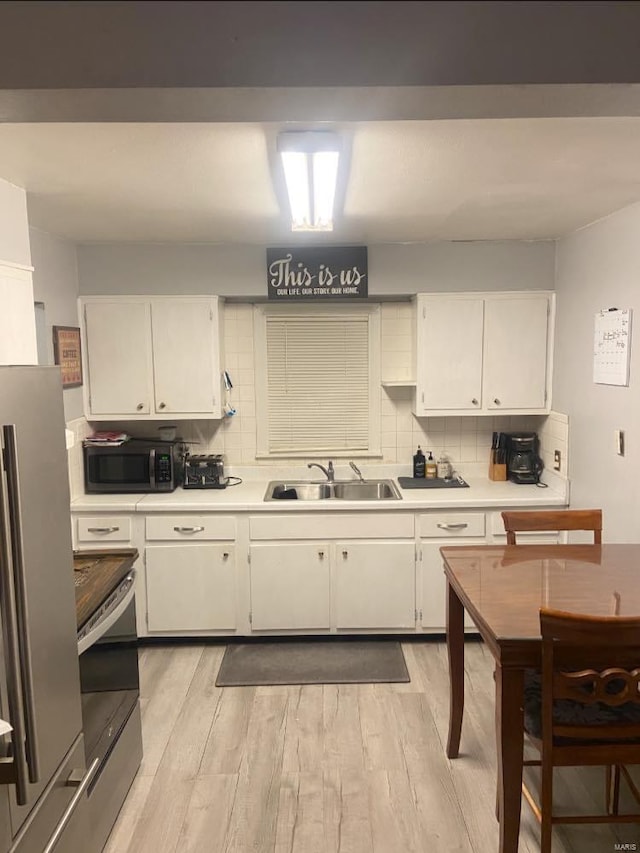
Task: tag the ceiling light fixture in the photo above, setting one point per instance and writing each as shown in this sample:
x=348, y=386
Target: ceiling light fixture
x=310, y=163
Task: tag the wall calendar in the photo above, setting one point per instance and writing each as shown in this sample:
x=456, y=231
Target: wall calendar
x=612, y=346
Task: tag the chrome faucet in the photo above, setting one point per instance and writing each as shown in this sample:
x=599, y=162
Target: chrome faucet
x=328, y=472
x=355, y=468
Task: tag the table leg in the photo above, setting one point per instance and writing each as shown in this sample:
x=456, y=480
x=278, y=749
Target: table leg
x=510, y=747
x=455, y=646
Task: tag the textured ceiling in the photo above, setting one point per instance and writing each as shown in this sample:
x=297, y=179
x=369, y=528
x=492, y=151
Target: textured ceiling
x=408, y=181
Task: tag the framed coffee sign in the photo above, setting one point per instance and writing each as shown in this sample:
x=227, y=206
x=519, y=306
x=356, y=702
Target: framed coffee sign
x=66, y=353
x=323, y=272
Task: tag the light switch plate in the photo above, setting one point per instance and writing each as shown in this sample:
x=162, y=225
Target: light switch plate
x=557, y=456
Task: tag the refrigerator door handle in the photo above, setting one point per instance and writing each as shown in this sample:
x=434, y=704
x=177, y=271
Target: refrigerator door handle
x=15, y=770
x=24, y=639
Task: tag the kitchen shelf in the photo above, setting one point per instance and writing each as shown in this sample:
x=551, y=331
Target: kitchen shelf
x=398, y=383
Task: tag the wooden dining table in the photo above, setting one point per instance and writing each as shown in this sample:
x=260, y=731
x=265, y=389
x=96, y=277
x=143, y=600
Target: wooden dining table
x=502, y=588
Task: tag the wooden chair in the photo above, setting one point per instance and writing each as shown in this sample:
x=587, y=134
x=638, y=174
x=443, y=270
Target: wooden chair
x=563, y=519
x=584, y=708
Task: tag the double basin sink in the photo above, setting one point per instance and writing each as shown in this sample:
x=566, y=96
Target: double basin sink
x=351, y=490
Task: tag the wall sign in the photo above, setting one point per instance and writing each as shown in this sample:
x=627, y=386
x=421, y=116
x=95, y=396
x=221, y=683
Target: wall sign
x=323, y=272
x=66, y=353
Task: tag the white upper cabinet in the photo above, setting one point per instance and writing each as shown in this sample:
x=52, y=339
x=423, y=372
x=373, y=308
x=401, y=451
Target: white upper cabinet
x=117, y=350
x=151, y=357
x=484, y=353
x=515, y=353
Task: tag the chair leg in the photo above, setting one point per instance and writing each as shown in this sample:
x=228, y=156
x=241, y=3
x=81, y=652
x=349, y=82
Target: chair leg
x=546, y=806
x=615, y=791
x=612, y=789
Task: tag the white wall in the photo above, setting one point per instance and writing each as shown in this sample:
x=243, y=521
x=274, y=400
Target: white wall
x=55, y=283
x=599, y=267
x=14, y=226
x=240, y=271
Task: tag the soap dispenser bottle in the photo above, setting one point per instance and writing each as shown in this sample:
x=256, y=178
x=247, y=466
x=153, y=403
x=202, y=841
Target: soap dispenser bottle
x=419, y=464
x=430, y=467
x=444, y=467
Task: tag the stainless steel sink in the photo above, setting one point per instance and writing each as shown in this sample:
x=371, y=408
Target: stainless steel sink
x=298, y=491
x=374, y=490
x=351, y=490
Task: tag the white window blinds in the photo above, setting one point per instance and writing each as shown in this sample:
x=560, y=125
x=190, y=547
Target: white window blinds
x=318, y=376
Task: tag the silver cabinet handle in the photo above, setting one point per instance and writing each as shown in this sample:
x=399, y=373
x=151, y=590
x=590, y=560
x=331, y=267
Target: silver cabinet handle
x=24, y=639
x=496, y=401
x=82, y=786
x=140, y=407
x=475, y=401
x=162, y=405
x=345, y=554
x=321, y=555
x=460, y=525
x=188, y=529
x=102, y=529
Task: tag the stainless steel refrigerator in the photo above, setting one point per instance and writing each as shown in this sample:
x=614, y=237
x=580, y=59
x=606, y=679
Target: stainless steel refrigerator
x=43, y=773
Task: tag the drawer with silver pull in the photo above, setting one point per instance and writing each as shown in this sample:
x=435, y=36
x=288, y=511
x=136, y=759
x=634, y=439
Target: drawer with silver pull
x=103, y=528
x=189, y=527
x=448, y=525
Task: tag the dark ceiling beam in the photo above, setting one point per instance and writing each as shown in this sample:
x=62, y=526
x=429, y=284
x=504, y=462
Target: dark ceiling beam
x=242, y=61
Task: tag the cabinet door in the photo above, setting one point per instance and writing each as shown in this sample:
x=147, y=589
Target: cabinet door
x=17, y=318
x=290, y=586
x=375, y=584
x=190, y=587
x=186, y=370
x=434, y=586
x=449, y=354
x=118, y=357
x=515, y=354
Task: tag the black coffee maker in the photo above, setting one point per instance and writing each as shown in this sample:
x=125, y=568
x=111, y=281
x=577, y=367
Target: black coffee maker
x=524, y=464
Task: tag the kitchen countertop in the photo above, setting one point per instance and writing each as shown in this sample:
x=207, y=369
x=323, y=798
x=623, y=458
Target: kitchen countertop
x=249, y=497
x=96, y=574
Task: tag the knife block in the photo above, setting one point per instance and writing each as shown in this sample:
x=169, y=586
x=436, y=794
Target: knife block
x=496, y=471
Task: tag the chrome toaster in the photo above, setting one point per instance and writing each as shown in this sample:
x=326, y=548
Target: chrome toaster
x=204, y=471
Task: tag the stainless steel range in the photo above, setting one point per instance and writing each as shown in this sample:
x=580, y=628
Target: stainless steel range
x=110, y=688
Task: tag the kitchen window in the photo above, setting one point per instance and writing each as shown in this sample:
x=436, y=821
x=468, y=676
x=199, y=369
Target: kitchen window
x=318, y=380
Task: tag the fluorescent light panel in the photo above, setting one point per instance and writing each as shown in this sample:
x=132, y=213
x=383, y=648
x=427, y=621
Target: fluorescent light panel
x=310, y=162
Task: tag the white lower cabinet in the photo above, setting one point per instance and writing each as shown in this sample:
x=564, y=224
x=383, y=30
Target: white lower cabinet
x=190, y=574
x=436, y=530
x=375, y=585
x=290, y=586
x=190, y=587
x=334, y=572
x=214, y=573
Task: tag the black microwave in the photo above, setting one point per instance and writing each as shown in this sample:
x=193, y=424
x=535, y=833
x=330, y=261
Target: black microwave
x=135, y=466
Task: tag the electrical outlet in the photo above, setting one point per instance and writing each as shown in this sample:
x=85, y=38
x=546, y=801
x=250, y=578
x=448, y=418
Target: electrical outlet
x=556, y=460
x=620, y=442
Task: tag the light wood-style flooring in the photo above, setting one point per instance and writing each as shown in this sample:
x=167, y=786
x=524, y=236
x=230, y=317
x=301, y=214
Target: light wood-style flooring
x=328, y=769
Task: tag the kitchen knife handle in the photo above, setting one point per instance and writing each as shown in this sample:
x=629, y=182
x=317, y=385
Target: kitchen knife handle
x=22, y=610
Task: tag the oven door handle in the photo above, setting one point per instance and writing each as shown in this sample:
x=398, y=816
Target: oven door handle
x=110, y=618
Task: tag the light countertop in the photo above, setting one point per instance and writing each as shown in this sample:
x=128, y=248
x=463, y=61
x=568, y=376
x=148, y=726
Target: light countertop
x=249, y=497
